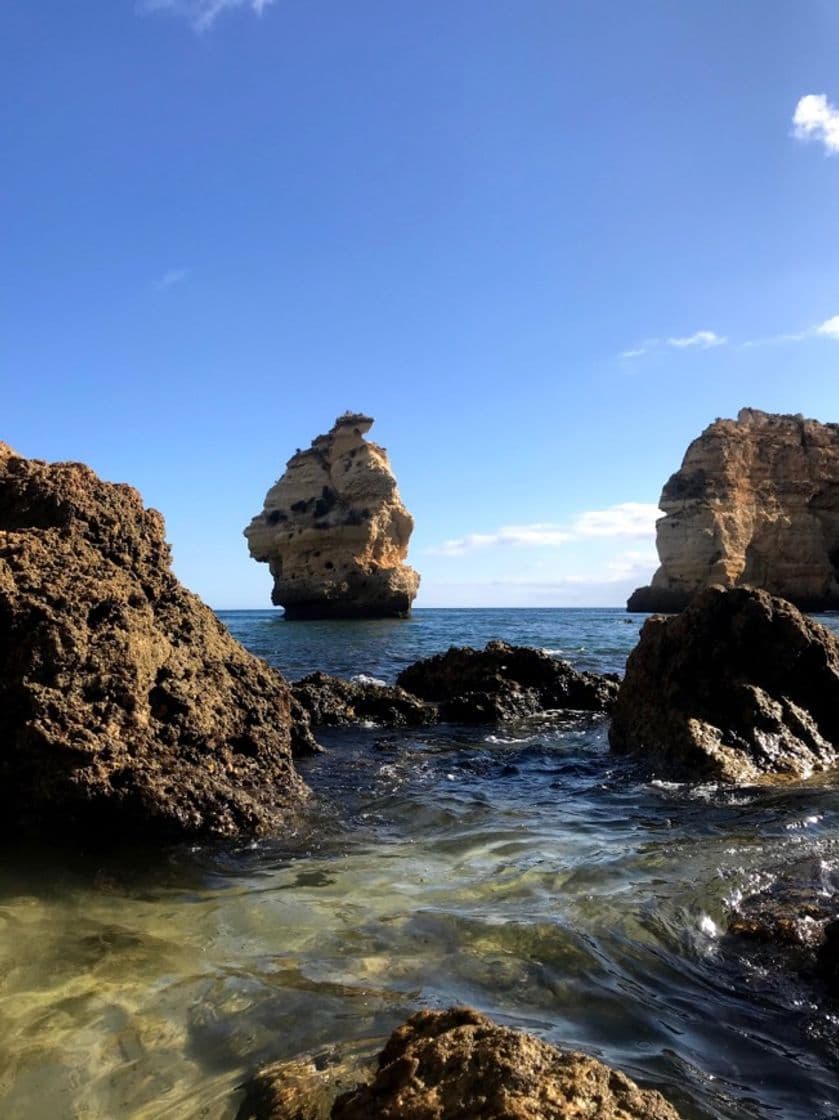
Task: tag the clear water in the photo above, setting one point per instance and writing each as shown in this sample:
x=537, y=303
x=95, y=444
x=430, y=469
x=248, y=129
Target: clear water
x=523, y=870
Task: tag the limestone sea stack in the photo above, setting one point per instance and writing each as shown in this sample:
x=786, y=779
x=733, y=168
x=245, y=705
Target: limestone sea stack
x=127, y=711
x=756, y=502
x=334, y=531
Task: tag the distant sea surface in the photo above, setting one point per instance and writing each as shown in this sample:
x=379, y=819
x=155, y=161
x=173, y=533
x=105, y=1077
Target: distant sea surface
x=520, y=869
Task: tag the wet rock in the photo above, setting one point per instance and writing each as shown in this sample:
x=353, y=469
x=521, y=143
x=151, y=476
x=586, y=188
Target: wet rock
x=794, y=923
x=739, y=687
x=460, y=1065
x=755, y=502
x=334, y=702
x=504, y=682
x=305, y=1088
x=827, y=958
x=126, y=708
x=334, y=531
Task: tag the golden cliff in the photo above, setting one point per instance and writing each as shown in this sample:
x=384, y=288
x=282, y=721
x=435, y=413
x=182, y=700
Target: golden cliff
x=334, y=531
x=755, y=503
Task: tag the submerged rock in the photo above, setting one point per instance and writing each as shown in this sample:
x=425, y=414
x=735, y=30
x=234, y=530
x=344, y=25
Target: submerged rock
x=334, y=531
x=126, y=708
x=334, y=702
x=504, y=682
x=755, y=502
x=827, y=958
x=738, y=687
x=460, y=1065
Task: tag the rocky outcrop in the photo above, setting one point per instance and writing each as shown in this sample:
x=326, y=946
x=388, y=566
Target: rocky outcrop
x=504, y=682
x=334, y=702
x=738, y=687
x=460, y=1065
x=755, y=503
x=126, y=708
x=334, y=531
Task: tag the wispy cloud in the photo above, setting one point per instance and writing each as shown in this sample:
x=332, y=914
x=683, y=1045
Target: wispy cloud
x=171, y=277
x=201, y=14
x=816, y=119
x=828, y=329
x=699, y=340
x=627, y=520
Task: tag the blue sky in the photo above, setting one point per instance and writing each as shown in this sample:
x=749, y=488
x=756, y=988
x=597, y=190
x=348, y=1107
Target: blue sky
x=544, y=243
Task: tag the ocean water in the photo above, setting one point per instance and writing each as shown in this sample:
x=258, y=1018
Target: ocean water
x=521, y=869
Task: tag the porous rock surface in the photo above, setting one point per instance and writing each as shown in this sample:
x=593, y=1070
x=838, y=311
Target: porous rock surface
x=126, y=708
x=335, y=702
x=460, y=1065
x=502, y=682
x=334, y=531
x=739, y=687
x=755, y=502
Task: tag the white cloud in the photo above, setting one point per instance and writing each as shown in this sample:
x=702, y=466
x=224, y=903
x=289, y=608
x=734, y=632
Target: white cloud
x=829, y=328
x=700, y=340
x=628, y=519
x=171, y=277
x=202, y=14
x=704, y=340
x=816, y=119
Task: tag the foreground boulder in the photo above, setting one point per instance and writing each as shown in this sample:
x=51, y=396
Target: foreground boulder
x=504, y=682
x=460, y=1065
x=455, y=1065
x=755, y=502
x=334, y=531
x=126, y=708
x=738, y=687
x=335, y=702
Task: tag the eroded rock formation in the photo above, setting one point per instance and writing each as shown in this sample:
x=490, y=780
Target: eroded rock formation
x=334, y=531
x=455, y=1065
x=504, y=682
x=755, y=502
x=739, y=686
x=459, y=1064
x=126, y=708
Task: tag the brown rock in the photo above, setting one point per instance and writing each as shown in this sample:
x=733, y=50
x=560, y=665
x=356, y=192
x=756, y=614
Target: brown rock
x=305, y=1088
x=460, y=1065
x=126, y=708
x=334, y=702
x=739, y=686
x=504, y=682
x=756, y=502
x=334, y=531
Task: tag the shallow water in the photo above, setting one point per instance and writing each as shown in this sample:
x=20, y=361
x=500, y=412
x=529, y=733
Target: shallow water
x=521, y=870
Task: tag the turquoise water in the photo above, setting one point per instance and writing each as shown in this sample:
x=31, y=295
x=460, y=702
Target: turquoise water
x=522, y=870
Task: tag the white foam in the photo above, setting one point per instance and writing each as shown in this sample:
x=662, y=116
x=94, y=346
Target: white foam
x=365, y=678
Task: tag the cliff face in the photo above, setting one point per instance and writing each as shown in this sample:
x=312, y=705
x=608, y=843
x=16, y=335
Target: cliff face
x=755, y=503
x=334, y=531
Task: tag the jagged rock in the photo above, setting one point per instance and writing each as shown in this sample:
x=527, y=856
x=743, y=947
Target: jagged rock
x=334, y=702
x=460, y=1065
x=126, y=708
x=504, y=682
x=756, y=502
x=334, y=531
x=739, y=686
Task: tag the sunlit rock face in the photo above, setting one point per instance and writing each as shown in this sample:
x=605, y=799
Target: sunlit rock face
x=334, y=531
x=127, y=711
x=755, y=503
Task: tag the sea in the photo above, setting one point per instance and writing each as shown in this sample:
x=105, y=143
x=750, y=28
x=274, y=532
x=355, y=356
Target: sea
x=520, y=869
